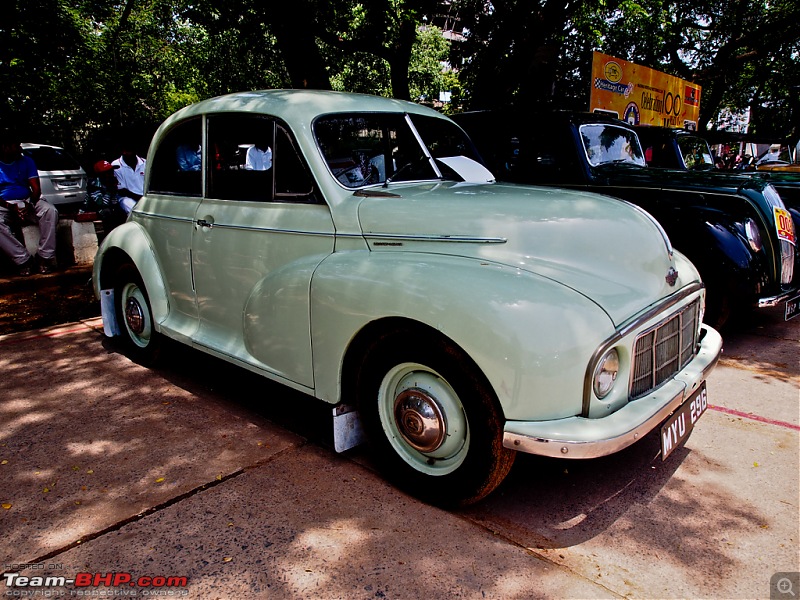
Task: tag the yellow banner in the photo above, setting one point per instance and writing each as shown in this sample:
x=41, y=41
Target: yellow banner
x=640, y=95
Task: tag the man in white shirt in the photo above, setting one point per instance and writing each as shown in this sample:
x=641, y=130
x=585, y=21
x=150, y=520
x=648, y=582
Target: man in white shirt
x=130, y=177
x=259, y=157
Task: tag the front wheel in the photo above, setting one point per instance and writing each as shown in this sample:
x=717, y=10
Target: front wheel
x=135, y=317
x=433, y=420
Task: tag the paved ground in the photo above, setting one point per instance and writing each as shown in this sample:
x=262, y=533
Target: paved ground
x=45, y=300
x=204, y=471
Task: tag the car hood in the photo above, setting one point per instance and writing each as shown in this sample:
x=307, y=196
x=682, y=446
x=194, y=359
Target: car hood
x=776, y=177
x=656, y=177
x=606, y=249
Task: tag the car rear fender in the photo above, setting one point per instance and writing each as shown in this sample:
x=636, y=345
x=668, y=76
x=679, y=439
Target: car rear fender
x=130, y=243
x=530, y=336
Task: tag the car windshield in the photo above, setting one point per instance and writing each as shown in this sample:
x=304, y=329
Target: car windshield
x=52, y=159
x=377, y=148
x=776, y=155
x=695, y=152
x=609, y=144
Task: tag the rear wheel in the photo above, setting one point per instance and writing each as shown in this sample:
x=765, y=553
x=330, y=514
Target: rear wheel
x=433, y=420
x=135, y=317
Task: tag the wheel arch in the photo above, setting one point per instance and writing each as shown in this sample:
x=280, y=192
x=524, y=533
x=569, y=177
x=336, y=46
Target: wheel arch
x=128, y=244
x=375, y=331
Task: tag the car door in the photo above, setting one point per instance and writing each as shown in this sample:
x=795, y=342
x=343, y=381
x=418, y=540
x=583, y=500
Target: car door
x=174, y=191
x=260, y=232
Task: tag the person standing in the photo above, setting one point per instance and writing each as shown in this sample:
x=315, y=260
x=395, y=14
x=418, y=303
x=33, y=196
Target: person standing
x=21, y=201
x=130, y=177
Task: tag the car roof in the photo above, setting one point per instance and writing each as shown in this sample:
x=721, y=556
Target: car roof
x=298, y=105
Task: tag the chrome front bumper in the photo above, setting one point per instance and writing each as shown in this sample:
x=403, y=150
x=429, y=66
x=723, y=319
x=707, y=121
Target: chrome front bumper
x=580, y=437
x=775, y=300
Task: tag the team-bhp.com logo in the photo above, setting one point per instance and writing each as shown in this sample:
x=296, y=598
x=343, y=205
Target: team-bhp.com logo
x=85, y=583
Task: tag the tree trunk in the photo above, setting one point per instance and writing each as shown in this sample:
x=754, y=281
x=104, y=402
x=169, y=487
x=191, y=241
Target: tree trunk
x=400, y=59
x=298, y=46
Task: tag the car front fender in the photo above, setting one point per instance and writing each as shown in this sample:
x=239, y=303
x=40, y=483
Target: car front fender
x=715, y=244
x=531, y=337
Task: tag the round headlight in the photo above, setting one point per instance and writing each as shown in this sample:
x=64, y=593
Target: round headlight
x=753, y=235
x=606, y=373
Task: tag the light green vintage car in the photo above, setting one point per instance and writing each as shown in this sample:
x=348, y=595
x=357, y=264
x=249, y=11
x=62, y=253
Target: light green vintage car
x=355, y=248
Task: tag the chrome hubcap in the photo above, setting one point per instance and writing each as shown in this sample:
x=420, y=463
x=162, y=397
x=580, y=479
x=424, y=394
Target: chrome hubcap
x=423, y=419
x=420, y=420
x=134, y=316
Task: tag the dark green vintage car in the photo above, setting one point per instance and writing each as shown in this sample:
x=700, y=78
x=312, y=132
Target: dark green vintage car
x=689, y=150
x=736, y=229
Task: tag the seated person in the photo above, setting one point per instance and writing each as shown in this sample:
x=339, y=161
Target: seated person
x=188, y=157
x=21, y=201
x=259, y=157
x=102, y=196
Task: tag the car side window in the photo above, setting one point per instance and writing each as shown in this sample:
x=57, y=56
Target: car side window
x=253, y=157
x=240, y=157
x=176, y=166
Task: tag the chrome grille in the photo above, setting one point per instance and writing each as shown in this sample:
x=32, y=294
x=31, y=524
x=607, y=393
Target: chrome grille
x=664, y=350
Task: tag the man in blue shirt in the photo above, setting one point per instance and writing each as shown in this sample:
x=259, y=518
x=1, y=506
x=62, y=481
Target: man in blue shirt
x=21, y=201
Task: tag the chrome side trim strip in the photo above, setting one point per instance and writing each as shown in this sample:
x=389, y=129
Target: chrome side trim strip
x=141, y=213
x=272, y=230
x=468, y=239
x=436, y=238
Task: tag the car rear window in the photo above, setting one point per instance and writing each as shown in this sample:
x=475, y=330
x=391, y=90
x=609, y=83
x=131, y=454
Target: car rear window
x=52, y=159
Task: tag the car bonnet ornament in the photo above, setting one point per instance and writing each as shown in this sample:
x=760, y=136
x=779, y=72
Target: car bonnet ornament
x=672, y=276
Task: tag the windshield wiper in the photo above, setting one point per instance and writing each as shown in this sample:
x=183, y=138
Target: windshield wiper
x=407, y=166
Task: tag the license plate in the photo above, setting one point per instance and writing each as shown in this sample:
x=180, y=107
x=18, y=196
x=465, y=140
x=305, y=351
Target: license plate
x=792, y=307
x=67, y=183
x=678, y=427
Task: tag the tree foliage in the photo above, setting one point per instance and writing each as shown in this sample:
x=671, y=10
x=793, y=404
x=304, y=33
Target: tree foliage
x=40, y=42
x=74, y=70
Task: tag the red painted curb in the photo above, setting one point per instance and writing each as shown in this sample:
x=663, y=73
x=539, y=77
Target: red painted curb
x=760, y=419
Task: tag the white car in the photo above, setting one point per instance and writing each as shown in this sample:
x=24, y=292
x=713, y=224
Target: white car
x=376, y=265
x=62, y=178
